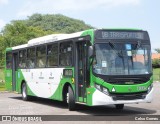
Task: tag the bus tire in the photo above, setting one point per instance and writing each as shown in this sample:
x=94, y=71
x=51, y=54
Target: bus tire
x=119, y=106
x=24, y=92
x=71, y=99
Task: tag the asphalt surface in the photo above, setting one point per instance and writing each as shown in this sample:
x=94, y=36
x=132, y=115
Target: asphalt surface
x=12, y=104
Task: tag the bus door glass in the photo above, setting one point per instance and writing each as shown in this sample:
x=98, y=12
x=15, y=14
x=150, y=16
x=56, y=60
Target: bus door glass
x=14, y=70
x=81, y=63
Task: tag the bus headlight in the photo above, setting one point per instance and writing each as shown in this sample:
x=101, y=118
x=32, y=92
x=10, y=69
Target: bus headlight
x=102, y=89
x=105, y=90
x=150, y=88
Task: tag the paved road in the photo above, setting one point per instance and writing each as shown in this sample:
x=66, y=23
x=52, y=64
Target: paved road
x=12, y=104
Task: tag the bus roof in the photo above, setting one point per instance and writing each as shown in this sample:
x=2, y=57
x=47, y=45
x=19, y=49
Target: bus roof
x=53, y=38
x=48, y=39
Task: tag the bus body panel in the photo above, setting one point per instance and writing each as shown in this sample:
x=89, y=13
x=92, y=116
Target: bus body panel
x=8, y=79
x=43, y=82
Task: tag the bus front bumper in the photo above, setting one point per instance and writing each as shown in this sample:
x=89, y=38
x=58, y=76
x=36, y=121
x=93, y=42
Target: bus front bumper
x=100, y=98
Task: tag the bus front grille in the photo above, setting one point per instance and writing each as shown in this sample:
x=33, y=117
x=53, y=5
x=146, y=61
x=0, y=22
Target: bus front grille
x=127, y=81
x=128, y=96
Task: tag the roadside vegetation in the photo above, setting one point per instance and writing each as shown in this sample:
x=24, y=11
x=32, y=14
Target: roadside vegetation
x=156, y=67
x=156, y=74
x=2, y=83
x=1, y=75
x=2, y=87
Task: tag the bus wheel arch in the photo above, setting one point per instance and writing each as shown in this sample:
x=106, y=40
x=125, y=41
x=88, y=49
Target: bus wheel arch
x=24, y=91
x=22, y=82
x=65, y=91
x=68, y=96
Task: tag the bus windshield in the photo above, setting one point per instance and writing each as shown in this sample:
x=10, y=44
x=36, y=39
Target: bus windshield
x=122, y=58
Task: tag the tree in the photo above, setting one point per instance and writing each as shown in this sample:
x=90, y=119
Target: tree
x=57, y=23
x=156, y=63
x=18, y=33
x=157, y=50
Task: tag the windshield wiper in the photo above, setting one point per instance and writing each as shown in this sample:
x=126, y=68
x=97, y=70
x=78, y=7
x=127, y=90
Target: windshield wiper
x=118, y=52
x=138, y=45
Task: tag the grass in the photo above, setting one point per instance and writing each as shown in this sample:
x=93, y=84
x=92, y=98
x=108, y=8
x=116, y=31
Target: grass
x=156, y=74
x=2, y=74
x=2, y=87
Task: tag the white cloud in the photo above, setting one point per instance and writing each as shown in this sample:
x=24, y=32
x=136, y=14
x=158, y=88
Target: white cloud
x=71, y=5
x=2, y=24
x=2, y=2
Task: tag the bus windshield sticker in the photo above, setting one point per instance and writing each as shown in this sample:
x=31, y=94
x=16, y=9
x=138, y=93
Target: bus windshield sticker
x=128, y=46
x=104, y=64
x=129, y=53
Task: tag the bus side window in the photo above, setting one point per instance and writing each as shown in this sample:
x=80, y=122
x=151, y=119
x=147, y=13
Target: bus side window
x=52, y=55
x=30, y=58
x=66, y=54
x=41, y=56
x=22, y=59
x=9, y=60
x=30, y=63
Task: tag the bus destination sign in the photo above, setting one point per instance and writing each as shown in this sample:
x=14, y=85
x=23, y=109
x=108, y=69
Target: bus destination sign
x=119, y=35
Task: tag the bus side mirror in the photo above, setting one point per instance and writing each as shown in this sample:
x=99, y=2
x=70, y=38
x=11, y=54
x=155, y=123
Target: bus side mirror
x=90, y=51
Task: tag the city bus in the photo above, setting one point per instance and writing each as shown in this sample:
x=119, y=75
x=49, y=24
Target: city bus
x=94, y=67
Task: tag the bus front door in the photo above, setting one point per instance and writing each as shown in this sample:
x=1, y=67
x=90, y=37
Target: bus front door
x=81, y=62
x=14, y=70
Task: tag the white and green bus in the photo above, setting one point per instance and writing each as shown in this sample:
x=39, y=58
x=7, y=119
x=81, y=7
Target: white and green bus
x=93, y=67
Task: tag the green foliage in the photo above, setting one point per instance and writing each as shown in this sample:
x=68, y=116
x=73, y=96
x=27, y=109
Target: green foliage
x=2, y=86
x=157, y=50
x=156, y=74
x=1, y=75
x=156, y=63
x=20, y=31
x=57, y=23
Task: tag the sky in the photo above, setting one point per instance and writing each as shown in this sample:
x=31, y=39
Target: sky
x=139, y=14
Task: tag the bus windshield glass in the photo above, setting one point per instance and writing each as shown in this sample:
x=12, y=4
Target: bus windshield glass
x=122, y=58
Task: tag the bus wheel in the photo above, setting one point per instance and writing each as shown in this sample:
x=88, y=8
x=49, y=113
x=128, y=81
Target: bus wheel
x=24, y=92
x=71, y=99
x=119, y=106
